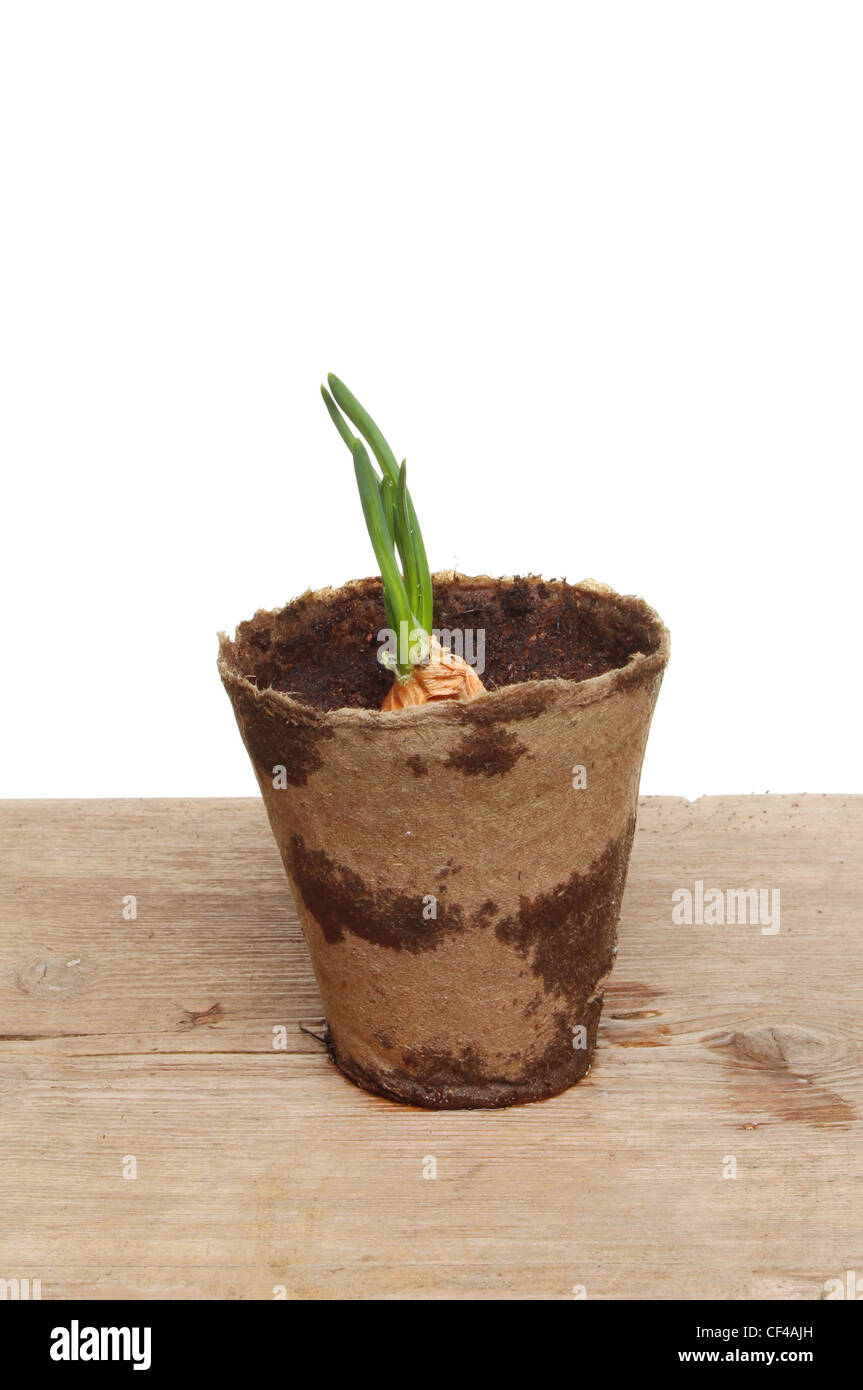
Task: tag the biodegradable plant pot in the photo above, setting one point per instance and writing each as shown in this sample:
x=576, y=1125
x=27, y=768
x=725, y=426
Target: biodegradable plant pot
x=459, y=888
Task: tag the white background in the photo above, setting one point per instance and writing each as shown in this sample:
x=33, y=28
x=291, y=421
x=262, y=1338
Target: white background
x=596, y=268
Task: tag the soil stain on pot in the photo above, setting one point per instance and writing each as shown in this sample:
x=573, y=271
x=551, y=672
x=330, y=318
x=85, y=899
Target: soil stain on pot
x=568, y=933
x=486, y=752
x=440, y=1069
x=441, y=1080
x=342, y=903
x=273, y=741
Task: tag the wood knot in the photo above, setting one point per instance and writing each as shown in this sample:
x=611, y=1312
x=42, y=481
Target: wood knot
x=783, y=1045
x=54, y=977
x=204, y=1019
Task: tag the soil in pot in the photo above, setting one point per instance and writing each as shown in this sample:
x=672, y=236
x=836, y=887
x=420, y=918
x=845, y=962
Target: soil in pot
x=458, y=891
x=319, y=647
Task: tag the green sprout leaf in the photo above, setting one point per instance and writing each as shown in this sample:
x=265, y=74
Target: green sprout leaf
x=395, y=596
x=426, y=611
x=390, y=516
x=388, y=498
x=337, y=418
x=366, y=426
x=407, y=546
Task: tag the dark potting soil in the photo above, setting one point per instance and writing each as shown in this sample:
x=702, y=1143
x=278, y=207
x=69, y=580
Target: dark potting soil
x=323, y=650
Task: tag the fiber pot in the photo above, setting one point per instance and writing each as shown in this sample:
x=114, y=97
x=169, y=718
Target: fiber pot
x=458, y=880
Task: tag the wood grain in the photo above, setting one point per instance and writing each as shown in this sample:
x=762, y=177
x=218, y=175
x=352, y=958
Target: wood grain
x=259, y=1168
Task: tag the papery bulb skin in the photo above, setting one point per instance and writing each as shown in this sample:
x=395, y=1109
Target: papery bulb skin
x=444, y=676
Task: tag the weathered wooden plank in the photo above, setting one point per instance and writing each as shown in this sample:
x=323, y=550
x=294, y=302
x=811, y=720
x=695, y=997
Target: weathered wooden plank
x=258, y=1168
x=213, y=961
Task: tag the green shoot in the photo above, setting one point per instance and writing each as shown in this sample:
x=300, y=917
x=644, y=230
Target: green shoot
x=360, y=417
x=390, y=518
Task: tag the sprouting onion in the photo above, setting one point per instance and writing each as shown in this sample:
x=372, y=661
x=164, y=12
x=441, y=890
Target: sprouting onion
x=392, y=525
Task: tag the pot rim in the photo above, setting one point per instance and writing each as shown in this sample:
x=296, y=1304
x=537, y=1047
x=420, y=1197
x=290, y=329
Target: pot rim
x=638, y=670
